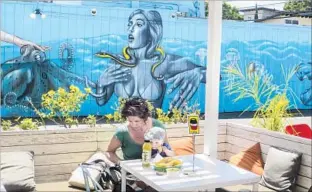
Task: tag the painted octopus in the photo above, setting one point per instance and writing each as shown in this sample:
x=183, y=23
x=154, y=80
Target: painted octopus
x=27, y=77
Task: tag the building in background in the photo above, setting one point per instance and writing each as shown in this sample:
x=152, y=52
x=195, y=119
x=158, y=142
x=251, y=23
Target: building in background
x=289, y=18
x=261, y=13
x=268, y=15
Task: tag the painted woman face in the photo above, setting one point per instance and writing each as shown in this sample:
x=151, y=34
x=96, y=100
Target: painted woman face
x=138, y=32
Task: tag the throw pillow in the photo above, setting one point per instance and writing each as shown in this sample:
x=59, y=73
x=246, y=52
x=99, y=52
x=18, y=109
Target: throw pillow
x=2, y=189
x=183, y=146
x=17, y=171
x=249, y=159
x=280, y=170
x=77, y=179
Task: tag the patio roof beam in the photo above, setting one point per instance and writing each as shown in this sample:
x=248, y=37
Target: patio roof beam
x=213, y=78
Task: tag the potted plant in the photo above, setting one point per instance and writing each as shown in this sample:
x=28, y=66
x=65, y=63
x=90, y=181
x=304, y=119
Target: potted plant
x=59, y=106
x=271, y=101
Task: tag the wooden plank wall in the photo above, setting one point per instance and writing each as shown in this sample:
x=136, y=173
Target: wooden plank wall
x=240, y=137
x=58, y=152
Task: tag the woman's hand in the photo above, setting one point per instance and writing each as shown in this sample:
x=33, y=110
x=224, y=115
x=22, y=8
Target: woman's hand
x=21, y=42
x=114, y=74
x=188, y=81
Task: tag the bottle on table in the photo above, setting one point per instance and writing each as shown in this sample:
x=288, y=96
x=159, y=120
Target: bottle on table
x=146, y=153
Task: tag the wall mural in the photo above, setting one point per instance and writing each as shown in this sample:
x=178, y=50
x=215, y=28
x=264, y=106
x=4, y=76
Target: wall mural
x=149, y=58
x=144, y=69
x=305, y=74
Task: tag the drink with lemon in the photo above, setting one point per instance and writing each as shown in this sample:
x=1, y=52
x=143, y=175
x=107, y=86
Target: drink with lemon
x=146, y=153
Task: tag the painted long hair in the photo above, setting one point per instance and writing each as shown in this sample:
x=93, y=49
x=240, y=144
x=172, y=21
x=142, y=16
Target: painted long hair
x=155, y=28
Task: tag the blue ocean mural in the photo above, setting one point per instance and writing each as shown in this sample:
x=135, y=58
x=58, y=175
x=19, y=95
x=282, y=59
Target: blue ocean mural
x=137, y=51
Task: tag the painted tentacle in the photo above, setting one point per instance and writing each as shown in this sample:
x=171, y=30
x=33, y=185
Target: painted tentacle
x=66, y=56
x=62, y=74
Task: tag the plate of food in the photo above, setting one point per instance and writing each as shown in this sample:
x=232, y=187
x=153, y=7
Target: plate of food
x=164, y=164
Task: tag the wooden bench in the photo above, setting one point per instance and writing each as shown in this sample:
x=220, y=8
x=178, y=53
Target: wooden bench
x=58, y=152
x=239, y=137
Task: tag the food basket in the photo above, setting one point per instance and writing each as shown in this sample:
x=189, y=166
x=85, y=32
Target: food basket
x=168, y=162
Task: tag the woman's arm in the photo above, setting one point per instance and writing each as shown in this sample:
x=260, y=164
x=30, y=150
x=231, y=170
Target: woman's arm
x=106, y=93
x=6, y=37
x=111, y=151
x=177, y=65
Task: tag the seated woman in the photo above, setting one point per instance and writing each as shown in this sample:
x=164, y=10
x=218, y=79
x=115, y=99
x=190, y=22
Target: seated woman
x=130, y=137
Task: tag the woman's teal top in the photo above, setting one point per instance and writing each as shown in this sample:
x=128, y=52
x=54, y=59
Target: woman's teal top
x=130, y=149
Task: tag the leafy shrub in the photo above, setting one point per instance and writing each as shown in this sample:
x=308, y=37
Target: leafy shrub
x=29, y=124
x=90, y=120
x=270, y=100
x=61, y=104
x=6, y=125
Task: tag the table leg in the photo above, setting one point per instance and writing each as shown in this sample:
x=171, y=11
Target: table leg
x=255, y=187
x=123, y=180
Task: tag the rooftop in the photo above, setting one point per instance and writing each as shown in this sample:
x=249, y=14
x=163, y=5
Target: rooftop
x=285, y=14
x=259, y=8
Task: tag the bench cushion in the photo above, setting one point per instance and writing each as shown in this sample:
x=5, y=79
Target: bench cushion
x=183, y=146
x=17, y=171
x=249, y=159
x=281, y=169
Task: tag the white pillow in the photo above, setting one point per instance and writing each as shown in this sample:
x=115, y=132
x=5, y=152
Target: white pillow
x=17, y=171
x=77, y=179
x=2, y=189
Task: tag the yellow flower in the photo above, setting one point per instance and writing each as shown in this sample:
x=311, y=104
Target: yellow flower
x=88, y=90
x=109, y=116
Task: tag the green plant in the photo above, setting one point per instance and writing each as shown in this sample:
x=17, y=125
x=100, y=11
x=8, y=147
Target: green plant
x=270, y=100
x=61, y=104
x=177, y=115
x=174, y=116
x=162, y=116
x=29, y=124
x=116, y=115
x=271, y=114
x=90, y=120
x=6, y=125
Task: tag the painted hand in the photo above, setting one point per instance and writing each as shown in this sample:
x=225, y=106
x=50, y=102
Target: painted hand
x=22, y=42
x=114, y=74
x=188, y=82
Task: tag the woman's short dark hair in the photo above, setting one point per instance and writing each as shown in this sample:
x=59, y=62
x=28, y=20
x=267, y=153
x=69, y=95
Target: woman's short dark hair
x=136, y=107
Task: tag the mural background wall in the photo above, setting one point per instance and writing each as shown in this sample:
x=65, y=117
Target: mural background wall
x=77, y=40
